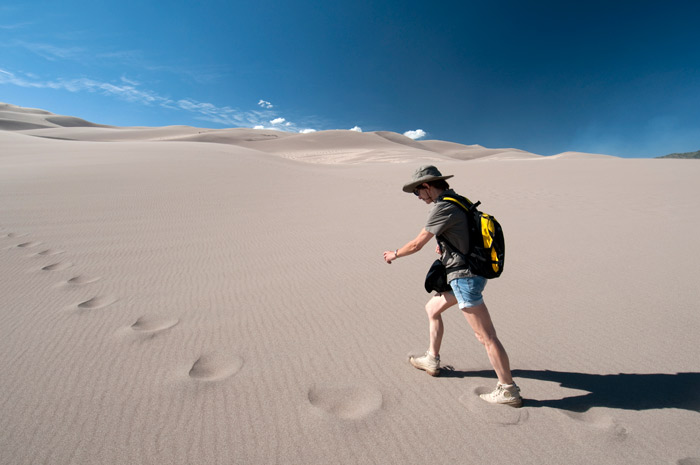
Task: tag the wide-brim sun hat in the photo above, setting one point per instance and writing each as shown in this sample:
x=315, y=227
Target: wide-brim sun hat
x=423, y=174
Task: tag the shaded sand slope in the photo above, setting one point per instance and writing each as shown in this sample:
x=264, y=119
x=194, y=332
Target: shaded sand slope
x=581, y=155
x=471, y=152
x=14, y=118
x=183, y=302
x=345, y=147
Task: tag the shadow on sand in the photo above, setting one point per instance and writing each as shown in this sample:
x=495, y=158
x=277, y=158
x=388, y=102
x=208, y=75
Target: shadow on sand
x=627, y=391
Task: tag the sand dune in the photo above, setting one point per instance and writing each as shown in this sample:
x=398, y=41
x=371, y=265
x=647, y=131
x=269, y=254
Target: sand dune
x=472, y=152
x=14, y=118
x=328, y=147
x=581, y=155
x=176, y=301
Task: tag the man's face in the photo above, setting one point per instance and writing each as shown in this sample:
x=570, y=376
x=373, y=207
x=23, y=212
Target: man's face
x=423, y=193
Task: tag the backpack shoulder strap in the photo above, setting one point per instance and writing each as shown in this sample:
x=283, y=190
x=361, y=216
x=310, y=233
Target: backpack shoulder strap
x=456, y=202
x=463, y=202
x=465, y=205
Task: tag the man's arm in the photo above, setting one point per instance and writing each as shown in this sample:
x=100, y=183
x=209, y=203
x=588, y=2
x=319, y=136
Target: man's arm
x=410, y=248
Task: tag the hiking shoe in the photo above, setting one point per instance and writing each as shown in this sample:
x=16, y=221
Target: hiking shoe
x=427, y=362
x=507, y=394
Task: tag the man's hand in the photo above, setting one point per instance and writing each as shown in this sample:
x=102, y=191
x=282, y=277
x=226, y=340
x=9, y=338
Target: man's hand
x=389, y=256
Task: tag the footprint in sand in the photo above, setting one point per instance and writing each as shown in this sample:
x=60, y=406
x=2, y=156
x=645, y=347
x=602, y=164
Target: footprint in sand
x=97, y=302
x=151, y=325
x=50, y=252
x=29, y=245
x=58, y=266
x=80, y=280
x=214, y=367
x=15, y=235
x=609, y=425
x=346, y=402
x=500, y=415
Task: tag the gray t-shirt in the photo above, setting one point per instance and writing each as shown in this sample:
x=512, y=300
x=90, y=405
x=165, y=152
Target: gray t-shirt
x=448, y=220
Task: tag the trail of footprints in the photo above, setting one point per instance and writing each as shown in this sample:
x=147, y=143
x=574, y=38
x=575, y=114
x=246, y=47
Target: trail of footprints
x=144, y=325
x=351, y=402
x=208, y=367
x=346, y=402
x=40, y=251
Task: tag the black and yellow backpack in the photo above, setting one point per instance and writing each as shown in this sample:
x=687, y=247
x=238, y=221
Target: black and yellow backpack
x=487, y=246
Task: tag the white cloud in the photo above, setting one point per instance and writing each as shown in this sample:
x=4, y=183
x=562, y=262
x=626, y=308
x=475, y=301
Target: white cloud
x=125, y=88
x=210, y=112
x=6, y=77
x=307, y=131
x=51, y=52
x=417, y=134
x=356, y=129
x=129, y=91
x=129, y=81
x=126, y=92
x=91, y=54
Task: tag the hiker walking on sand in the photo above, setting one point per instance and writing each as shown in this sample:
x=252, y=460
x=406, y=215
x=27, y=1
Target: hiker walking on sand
x=449, y=223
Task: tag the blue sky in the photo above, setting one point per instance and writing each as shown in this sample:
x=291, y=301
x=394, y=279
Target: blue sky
x=615, y=77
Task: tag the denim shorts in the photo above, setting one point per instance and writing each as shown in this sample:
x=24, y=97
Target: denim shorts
x=468, y=290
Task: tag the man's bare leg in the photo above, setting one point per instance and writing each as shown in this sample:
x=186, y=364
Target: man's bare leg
x=430, y=362
x=434, y=308
x=480, y=321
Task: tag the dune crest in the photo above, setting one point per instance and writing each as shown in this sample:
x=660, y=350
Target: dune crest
x=14, y=118
x=581, y=156
x=321, y=147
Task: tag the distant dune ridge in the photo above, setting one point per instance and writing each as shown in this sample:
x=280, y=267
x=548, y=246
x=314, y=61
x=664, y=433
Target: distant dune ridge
x=338, y=146
x=184, y=295
x=14, y=118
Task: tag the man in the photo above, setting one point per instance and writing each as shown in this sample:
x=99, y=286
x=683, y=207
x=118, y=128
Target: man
x=448, y=221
